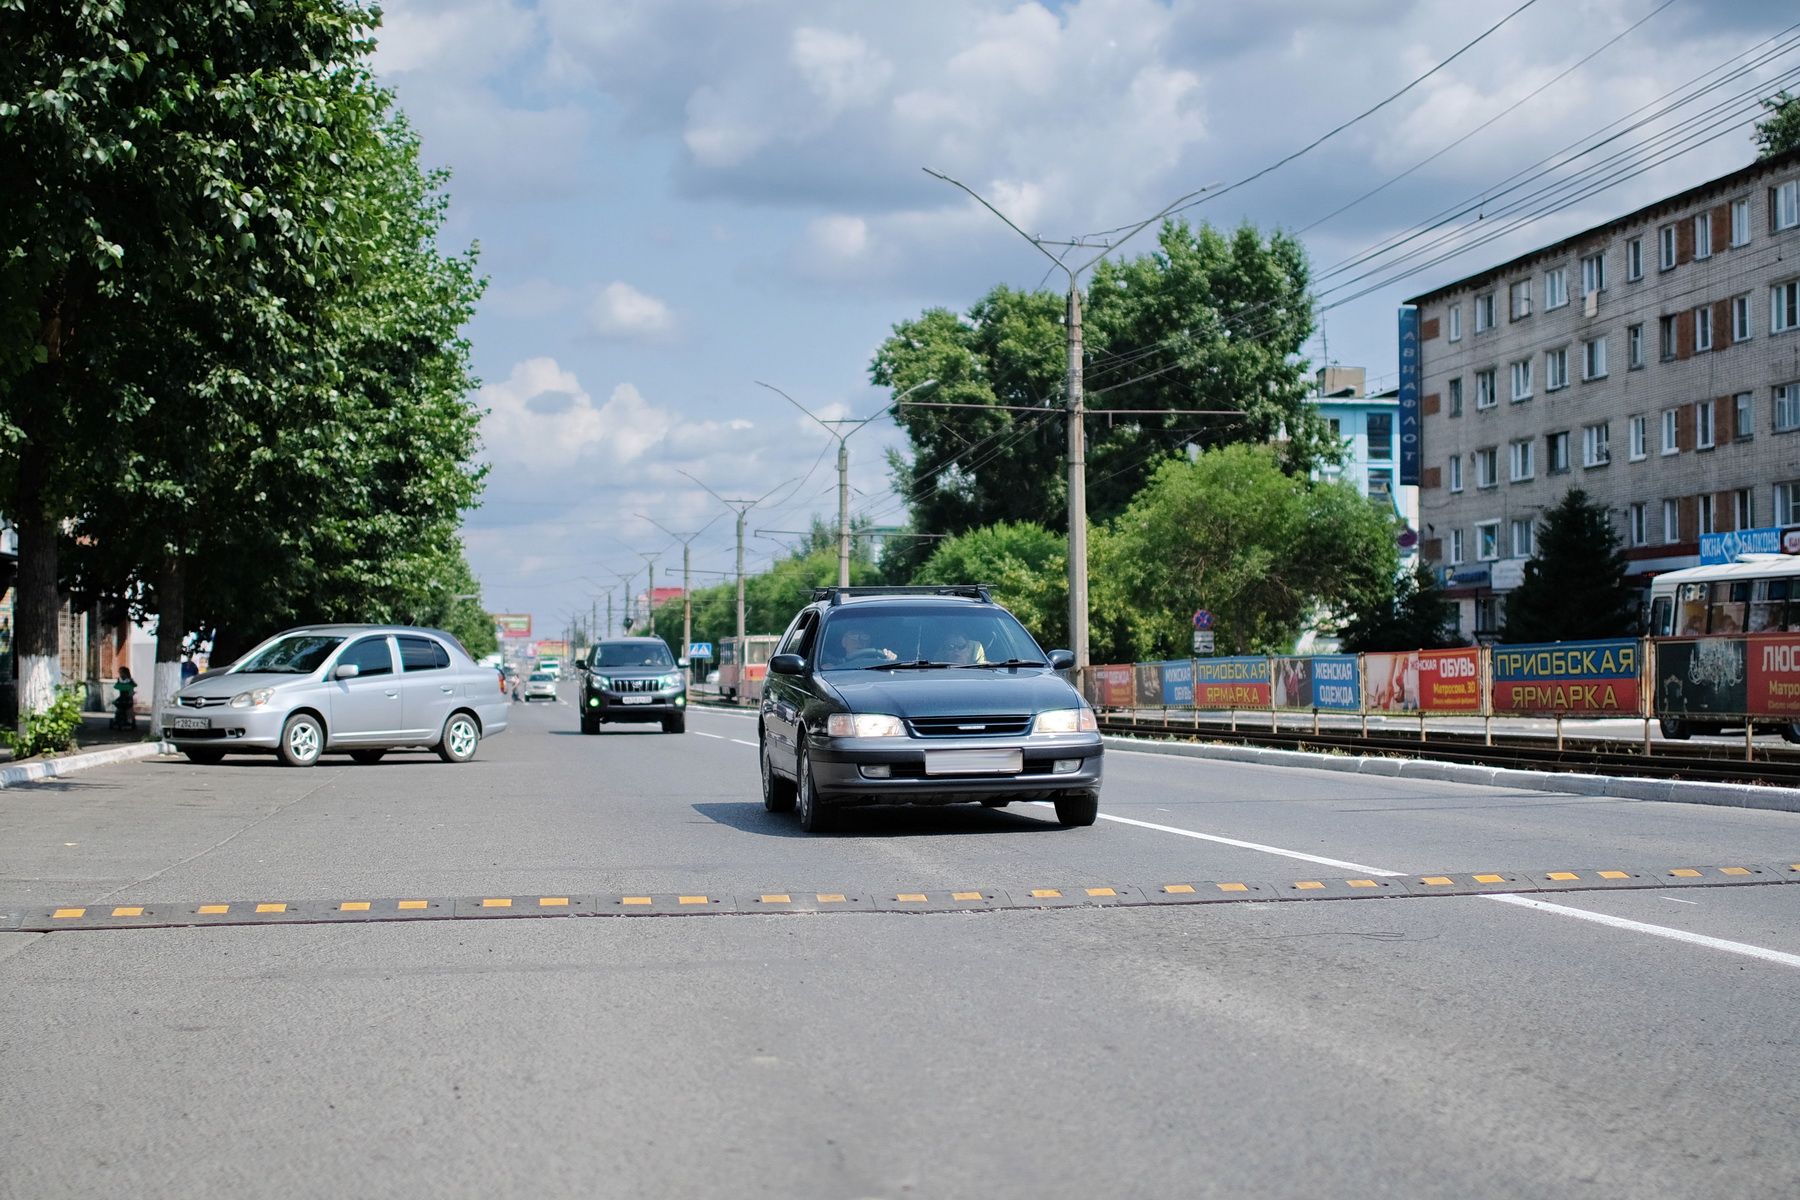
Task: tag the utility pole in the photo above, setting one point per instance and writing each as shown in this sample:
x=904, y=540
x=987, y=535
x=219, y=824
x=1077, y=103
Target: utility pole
x=741, y=508
x=687, y=582
x=843, y=462
x=650, y=592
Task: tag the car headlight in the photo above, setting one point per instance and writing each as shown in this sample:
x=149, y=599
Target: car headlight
x=868, y=725
x=603, y=683
x=254, y=698
x=1066, y=720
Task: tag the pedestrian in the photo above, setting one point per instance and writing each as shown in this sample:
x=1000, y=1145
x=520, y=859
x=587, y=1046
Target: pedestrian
x=189, y=669
x=125, y=701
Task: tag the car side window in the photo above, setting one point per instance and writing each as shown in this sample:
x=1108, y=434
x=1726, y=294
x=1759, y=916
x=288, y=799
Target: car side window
x=803, y=636
x=790, y=641
x=370, y=656
x=421, y=654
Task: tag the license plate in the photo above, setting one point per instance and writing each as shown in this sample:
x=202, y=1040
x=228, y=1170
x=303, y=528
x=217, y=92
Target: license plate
x=636, y=699
x=193, y=723
x=974, y=762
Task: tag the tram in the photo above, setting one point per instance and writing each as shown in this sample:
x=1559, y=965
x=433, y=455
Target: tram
x=742, y=668
x=1758, y=593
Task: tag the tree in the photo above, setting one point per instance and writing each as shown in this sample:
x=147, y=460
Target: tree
x=1234, y=533
x=1779, y=132
x=1208, y=321
x=1416, y=616
x=1025, y=563
x=1574, y=588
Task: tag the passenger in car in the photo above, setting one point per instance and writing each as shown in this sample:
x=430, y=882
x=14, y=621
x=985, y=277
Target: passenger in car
x=960, y=648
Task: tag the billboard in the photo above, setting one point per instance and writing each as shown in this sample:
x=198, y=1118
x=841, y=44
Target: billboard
x=1431, y=681
x=1292, y=686
x=1231, y=683
x=1701, y=677
x=553, y=649
x=1772, y=663
x=1113, y=686
x=1178, y=682
x=1409, y=396
x=1569, y=678
x=1336, y=683
x=1147, y=682
x=513, y=625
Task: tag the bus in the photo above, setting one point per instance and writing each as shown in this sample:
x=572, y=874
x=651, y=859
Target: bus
x=743, y=669
x=1758, y=593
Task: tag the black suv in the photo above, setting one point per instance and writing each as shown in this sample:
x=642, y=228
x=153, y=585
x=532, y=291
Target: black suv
x=632, y=679
x=921, y=696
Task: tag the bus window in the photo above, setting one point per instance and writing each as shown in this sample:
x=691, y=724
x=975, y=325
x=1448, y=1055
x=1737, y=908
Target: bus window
x=1690, y=615
x=1729, y=600
x=1662, y=612
x=1768, y=604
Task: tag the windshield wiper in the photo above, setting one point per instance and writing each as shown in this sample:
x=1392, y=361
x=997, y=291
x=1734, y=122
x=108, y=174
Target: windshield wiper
x=1011, y=662
x=916, y=665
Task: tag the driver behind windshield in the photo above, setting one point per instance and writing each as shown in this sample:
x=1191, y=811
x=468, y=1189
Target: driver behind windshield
x=854, y=645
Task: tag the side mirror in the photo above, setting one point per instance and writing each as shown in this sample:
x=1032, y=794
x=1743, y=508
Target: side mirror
x=346, y=671
x=1062, y=660
x=681, y=662
x=581, y=663
x=788, y=664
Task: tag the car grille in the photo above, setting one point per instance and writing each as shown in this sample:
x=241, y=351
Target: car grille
x=202, y=701
x=637, y=685
x=964, y=727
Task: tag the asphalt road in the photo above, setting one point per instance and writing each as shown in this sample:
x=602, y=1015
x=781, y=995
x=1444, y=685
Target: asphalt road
x=1638, y=1042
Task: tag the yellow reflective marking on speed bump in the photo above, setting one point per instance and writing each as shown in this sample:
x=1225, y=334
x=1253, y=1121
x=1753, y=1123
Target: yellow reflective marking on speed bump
x=1179, y=889
x=1045, y=893
x=1685, y=873
x=911, y=897
x=354, y=906
x=553, y=902
x=635, y=900
x=271, y=908
x=1309, y=885
x=213, y=910
x=497, y=902
x=1734, y=870
x=1437, y=880
x=831, y=897
x=1234, y=887
x=1101, y=892
x=1490, y=879
x=69, y=914
x=130, y=910
x=691, y=899
x=1615, y=874
x=1361, y=882
x=411, y=904
x=778, y=898
x=965, y=895
x=1563, y=875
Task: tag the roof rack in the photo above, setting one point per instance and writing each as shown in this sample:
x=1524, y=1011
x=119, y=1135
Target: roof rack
x=968, y=591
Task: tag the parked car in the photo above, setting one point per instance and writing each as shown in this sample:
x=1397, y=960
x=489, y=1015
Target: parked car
x=632, y=680
x=540, y=685
x=921, y=696
x=360, y=689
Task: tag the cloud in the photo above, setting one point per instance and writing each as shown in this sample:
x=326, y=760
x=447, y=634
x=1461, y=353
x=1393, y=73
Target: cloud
x=622, y=312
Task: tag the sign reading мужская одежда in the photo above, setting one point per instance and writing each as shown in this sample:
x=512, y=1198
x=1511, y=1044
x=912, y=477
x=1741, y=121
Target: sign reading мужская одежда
x=1569, y=677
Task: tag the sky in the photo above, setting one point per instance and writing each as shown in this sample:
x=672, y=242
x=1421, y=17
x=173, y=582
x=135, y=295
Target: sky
x=676, y=199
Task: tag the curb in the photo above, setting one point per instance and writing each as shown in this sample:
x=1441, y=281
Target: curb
x=47, y=768
x=1730, y=795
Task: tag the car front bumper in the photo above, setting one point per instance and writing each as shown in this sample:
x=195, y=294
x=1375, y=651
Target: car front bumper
x=842, y=769
x=250, y=728
x=634, y=706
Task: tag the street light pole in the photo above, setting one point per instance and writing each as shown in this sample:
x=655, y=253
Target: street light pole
x=687, y=585
x=843, y=462
x=742, y=508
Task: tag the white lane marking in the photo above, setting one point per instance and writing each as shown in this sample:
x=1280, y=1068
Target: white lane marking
x=1662, y=931
x=1225, y=841
x=742, y=742
x=1679, y=900
x=703, y=733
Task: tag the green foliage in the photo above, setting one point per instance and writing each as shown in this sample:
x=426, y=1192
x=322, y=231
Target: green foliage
x=1027, y=566
x=1779, y=131
x=1574, y=587
x=1415, y=616
x=770, y=599
x=50, y=731
x=1233, y=532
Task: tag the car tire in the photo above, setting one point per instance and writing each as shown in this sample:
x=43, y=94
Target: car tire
x=1078, y=809
x=367, y=758
x=1791, y=732
x=1675, y=729
x=778, y=793
x=675, y=724
x=814, y=816
x=302, y=740
x=590, y=724
x=204, y=757
x=461, y=736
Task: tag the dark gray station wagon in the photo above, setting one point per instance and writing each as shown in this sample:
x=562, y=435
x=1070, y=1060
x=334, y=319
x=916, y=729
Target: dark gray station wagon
x=921, y=696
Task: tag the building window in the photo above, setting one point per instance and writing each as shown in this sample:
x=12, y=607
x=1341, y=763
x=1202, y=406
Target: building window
x=1787, y=503
x=1593, y=274
x=1785, y=204
x=1740, y=318
x=1454, y=390
x=1556, y=452
x=1639, y=450
x=1521, y=537
x=1484, y=313
x=1337, y=428
x=1787, y=407
x=1486, y=394
x=1456, y=472
x=1556, y=288
x=1556, y=369
x=1703, y=236
x=1708, y=517
x=1487, y=541
x=1671, y=522
x=1743, y=509
x=1703, y=328
x=1740, y=222
x=1593, y=359
x=1669, y=443
x=1634, y=346
x=1521, y=380
x=1596, y=445
x=1743, y=418
x=1454, y=320
x=1668, y=329
x=1456, y=547
x=1635, y=527
x=1784, y=306
x=1521, y=461
x=1634, y=259
x=1381, y=485
x=1519, y=300
x=1381, y=436
x=1487, y=467
x=1665, y=244
x=1703, y=426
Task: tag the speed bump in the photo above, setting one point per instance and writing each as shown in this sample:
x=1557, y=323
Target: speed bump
x=537, y=904
x=240, y=912
x=1087, y=895
x=806, y=900
x=405, y=908
x=1477, y=883
x=1701, y=876
x=1209, y=891
x=1591, y=879
x=1359, y=887
x=954, y=900
x=665, y=903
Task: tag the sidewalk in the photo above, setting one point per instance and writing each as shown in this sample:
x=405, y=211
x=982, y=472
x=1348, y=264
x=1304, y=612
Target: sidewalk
x=94, y=734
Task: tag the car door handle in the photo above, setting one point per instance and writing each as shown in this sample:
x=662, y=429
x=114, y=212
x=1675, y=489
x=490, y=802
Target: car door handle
x=448, y=691
x=391, y=692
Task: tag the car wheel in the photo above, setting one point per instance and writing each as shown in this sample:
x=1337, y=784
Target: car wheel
x=778, y=793
x=302, y=740
x=590, y=724
x=461, y=736
x=812, y=813
x=675, y=724
x=1079, y=808
x=1791, y=732
x=205, y=758
x=367, y=757
x=1675, y=730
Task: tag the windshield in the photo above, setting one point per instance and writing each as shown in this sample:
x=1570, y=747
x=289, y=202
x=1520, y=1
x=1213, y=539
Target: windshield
x=301, y=654
x=632, y=654
x=958, y=636
x=542, y=677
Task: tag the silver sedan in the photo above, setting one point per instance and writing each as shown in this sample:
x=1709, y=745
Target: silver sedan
x=360, y=689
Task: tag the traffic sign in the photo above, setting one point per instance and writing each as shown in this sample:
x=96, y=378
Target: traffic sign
x=700, y=650
x=1203, y=620
x=1203, y=641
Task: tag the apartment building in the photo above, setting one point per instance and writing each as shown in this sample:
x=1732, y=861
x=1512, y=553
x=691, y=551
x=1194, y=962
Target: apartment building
x=1653, y=361
x=1368, y=429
